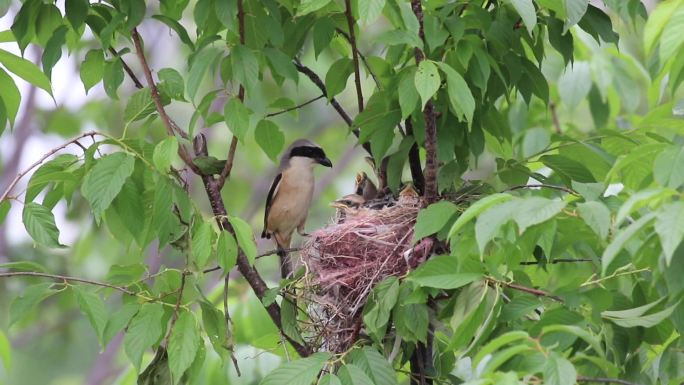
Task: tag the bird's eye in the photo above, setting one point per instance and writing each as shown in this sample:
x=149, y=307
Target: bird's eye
x=347, y=202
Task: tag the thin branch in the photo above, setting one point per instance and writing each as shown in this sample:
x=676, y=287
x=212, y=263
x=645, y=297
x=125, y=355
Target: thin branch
x=171, y=126
x=430, y=192
x=515, y=286
x=542, y=185
x=558, y=260
x=66, y=278
x=128, y=69
x=225, y=173
x=176, y=309
x=295, y=107
x=604, y=380
x=363, y=58
x=355, y=53
x=321, y=86
x=229, y=321
x=17, y=178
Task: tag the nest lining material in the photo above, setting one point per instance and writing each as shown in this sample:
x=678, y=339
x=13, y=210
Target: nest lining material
x=345, y=260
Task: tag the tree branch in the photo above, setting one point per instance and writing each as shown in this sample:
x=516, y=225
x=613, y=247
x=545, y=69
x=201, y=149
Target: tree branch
x=430, y=192
x=542, y=185
x=66, y=278
x=17, y=178
x=554, y=117
x=128, y=69
x=295, y=107
x=363, y=58
x=355, y=54
x=414, y=160
x=558, y=260
x=228, y=320
x=321, y=86
x=171, y=126
x=604, y=380
x=515, y=286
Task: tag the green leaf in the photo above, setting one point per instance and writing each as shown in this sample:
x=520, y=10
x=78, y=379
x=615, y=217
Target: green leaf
x=139, y=106
x=376, y=367
x=125, y=274
x=378, y=308
x=534, y=210
x=183, y=344
x=282, y=64
x=269, y=137
x=621, y=238
x=597, y=216
x=53, y=171
x=369, y=10
x=172, y=84
x=40, y=224
x=490, y=221
x=5, y=352
x=24, y=266
x=226, y=250
x=329, y=379
x=528, y=14
x=92, y=307
x=30, y=297
x=236, y=116
x=670, y=228
x=408, y=95
x=76, y=12
x=445, y=272
x=498, y=342
x=641, y=199
x=201, y=63
x=113, y=76
x=351, y=374
x=337, y=75
x=308, y=6
x=245, y=237
x=10, y=97
x=92, y=69
x=558, y=370
x=576, y=331
x=568, y=168
x=165, y=152
x=177, y=27
x=201, y=243
x=53, y=49
x=4, y=209
x=298, y=372
x=105, y=179
x=379, y=115
x=145, y=330
x=574, y=10
x=656, y=23
x=476, y=209
x=461, y=99
x=245, y=67
x=323, y=32
x=432, y=219
x=427, y=81
x=575, y=83
x=25, y=70
x=288, y=319
x=668, y=168
x=635, y=317
x=215, y=327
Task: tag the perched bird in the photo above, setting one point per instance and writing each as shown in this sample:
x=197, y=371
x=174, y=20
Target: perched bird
x=347, y=205
x=289, y=198
x=365, y=187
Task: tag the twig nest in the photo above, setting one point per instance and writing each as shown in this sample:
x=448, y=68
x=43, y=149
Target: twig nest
x=345, y=259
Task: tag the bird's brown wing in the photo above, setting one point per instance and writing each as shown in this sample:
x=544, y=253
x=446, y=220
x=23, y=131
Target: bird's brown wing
x=269, y=201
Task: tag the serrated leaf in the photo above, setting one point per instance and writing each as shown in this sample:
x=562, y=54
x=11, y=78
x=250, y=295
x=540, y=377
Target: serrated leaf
x=29, y=298
x=490, y=221
x=621, y=238
x=444, y=272
x=282, y=64
x=165, y=152
x=10, y=97
x=329, y=379
x=574, y=10
x=535, y=210
x=76, y=12
x=670, y=228
x=215, y=327
x=597, y=216
x=476, y=209
x=376, y=367
x=337, y=76
x=201, y=63
x=308, y=6
x=528, y=14
x=408, y=95
x=201, y=243
x=298, y=372
x=369, y=10
x=288, y=319
x=559, y=371
x=657, y=20
x=269, y=137
x=183, y=344
x=24, y=266
x=427, y=81
x=92, y=69
x=351, y=374
x=245, y=237
x=226, y=250
x=568, y=168
x=53, y=49
x=25, y=70
x=236, y=116
x=144, y=331
x=171, y=82
x=460, y=97
x=92, y=307
x=139, y=106
x=668, y=167
x=245, y=67
x=105, y=180
x=40, y=224
x=635, y=317
x=432, y=219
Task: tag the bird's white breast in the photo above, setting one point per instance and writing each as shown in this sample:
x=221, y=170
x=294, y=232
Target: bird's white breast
x=293, y=196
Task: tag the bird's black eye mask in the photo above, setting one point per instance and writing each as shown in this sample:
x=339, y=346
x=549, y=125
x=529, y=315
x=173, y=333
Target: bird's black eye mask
x=308, y=152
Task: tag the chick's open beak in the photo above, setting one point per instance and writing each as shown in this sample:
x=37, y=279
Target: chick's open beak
x=338, y=205
x=325, y=162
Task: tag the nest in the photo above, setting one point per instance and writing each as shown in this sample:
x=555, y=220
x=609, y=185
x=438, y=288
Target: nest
x=344, y=261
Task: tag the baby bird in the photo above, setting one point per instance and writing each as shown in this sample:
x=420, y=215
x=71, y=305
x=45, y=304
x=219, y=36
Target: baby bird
x=365, y=187
x=348, y=205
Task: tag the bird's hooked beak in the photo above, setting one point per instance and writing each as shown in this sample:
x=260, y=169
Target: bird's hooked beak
x=324, y=162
